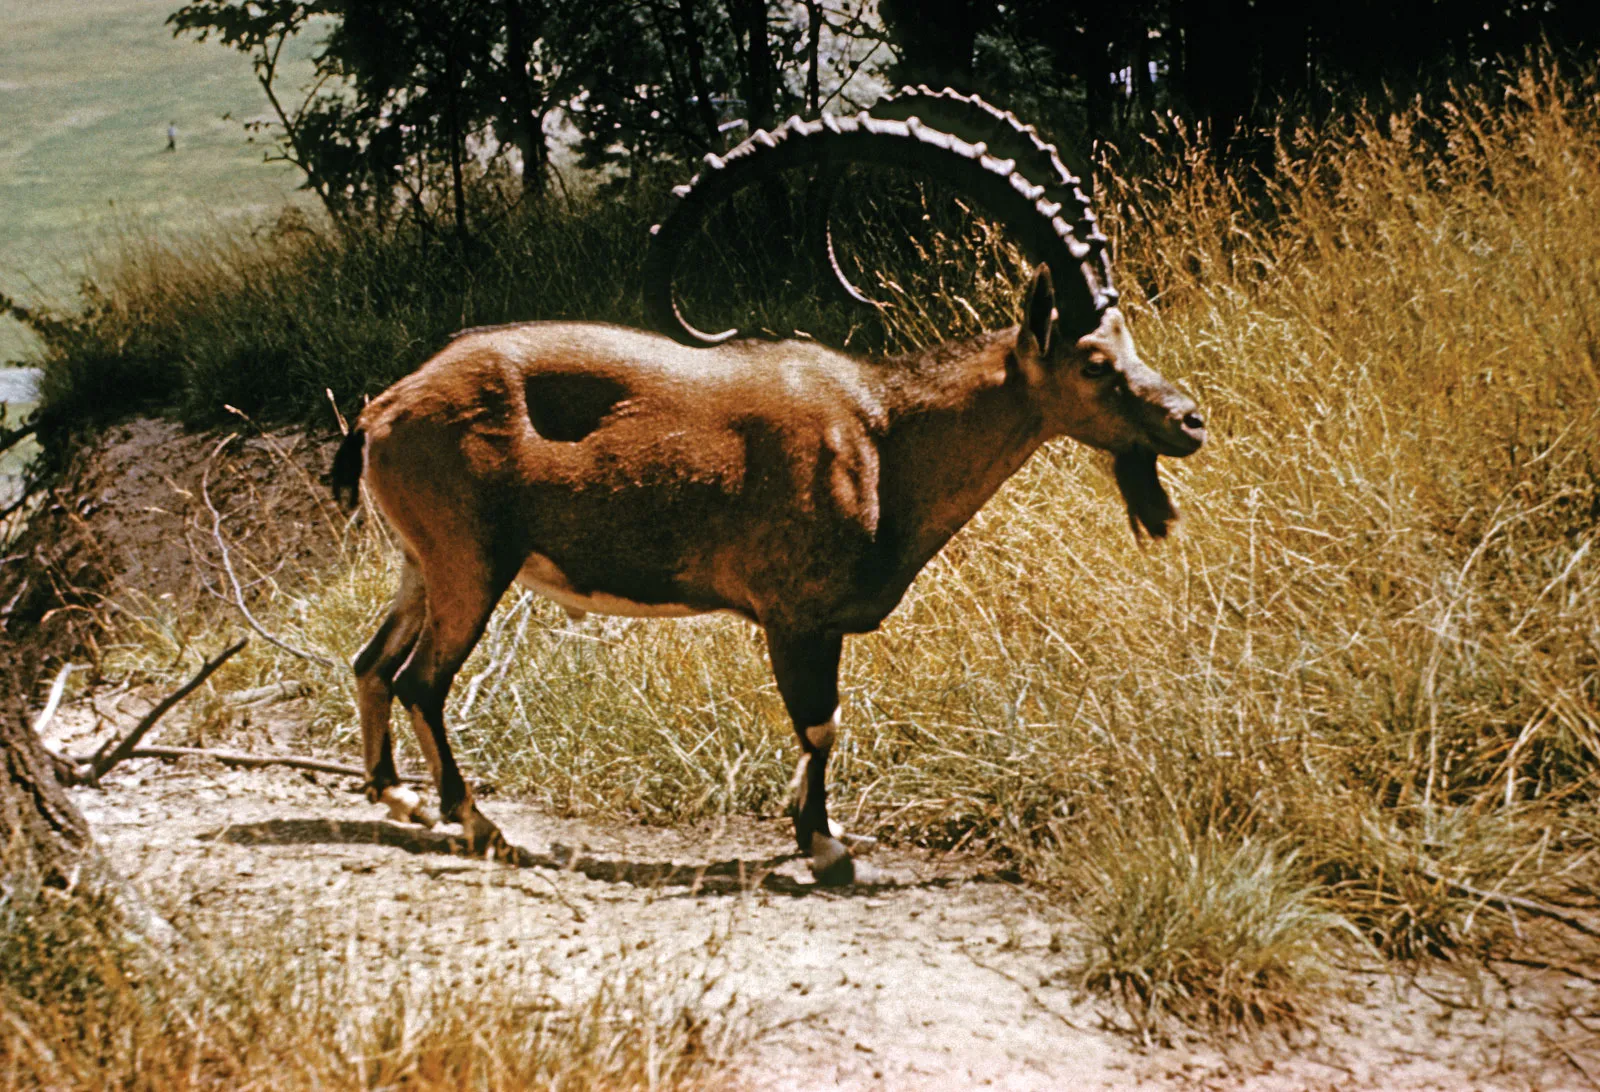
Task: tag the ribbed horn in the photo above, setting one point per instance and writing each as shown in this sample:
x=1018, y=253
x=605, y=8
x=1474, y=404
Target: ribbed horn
x=1043, y=222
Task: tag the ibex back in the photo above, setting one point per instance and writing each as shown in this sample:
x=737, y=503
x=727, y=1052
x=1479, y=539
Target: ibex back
x=627, y=472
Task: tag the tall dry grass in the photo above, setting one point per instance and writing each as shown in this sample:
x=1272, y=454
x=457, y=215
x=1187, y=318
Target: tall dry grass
x=1366, y=672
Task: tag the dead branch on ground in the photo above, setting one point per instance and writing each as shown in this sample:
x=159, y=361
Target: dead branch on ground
x=253, y=761
x=108, y=756
x=1513, y=902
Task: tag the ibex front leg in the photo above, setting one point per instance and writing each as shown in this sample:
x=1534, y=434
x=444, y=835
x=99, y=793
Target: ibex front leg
x=807, y=669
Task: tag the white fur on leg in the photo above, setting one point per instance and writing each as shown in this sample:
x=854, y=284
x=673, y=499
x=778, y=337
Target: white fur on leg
x=405, y=806
x=797, y=786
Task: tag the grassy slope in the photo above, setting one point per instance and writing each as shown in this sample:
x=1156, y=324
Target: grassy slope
x=87, y=88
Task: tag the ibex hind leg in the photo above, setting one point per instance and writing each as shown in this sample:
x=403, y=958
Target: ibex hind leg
x=375, y=667
x=460, y=597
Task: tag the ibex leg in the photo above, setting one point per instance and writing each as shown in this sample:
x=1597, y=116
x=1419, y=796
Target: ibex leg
x=461, y=594
x=806, y=667
x=375, y=669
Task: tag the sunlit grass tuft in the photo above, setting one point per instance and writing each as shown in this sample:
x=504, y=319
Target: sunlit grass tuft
x=1200, y=929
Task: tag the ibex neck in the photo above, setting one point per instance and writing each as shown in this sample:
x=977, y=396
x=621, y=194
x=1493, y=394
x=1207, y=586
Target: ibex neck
x=959, y=423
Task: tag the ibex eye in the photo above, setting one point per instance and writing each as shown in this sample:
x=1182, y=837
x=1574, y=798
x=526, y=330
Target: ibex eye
x=1096, y=368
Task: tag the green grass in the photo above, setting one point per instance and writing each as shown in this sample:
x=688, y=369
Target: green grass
x=1368, y=666
x=87, y=88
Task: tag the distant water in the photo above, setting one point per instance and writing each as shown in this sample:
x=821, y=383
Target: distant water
x=19, y=384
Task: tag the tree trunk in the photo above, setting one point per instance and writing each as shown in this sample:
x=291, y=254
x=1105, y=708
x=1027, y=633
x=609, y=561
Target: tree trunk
x=1219, y=51
x=813, y=58
x=695, y=48
x=39, y=826
x=527, y=117
x=936, y=39
x=760, y=73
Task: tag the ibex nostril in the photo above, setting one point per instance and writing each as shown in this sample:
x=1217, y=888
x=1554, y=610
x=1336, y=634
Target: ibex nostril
x=1194, y=422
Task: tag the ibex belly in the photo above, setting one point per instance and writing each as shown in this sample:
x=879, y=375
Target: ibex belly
x=542, y=575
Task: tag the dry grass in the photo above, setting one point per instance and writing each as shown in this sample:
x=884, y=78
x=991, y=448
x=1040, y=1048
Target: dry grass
x=1369, y=664
x=85, y=1003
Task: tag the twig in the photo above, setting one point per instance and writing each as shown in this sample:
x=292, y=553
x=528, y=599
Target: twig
x=1517, y=902
x=28, y=493
x=250, y=761
x=42, y=721
x=266, y=695
x=1547, y=965
x=233, y=578
x=102, y=763
x=10, y=438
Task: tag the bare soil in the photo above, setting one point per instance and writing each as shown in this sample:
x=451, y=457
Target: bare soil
x=941, y=974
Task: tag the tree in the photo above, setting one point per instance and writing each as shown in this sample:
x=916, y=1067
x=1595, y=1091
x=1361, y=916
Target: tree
x=40, y=829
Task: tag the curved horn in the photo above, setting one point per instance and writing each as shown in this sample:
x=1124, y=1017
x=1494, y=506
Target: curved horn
x=819, y=210
x=1043, y=223
x=1007, y=137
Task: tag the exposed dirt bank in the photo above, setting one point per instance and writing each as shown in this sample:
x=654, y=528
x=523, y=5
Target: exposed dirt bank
x=129, y=519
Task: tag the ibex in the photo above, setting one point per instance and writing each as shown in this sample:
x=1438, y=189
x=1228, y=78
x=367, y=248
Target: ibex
x=647, y=474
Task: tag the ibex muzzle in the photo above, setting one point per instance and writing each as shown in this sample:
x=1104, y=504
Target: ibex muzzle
x=627, y=472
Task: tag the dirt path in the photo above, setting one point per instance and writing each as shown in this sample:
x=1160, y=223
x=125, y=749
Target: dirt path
x=942, y=977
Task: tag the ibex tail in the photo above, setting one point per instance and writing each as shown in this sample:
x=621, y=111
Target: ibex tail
x=346, y=475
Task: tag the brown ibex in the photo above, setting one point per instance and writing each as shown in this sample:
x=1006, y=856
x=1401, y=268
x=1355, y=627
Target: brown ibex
x=644, y=474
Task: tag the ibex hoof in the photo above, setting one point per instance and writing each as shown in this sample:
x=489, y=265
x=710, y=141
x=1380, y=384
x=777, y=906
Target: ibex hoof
x=831, y=864
x=405, y=806
x=482, y=838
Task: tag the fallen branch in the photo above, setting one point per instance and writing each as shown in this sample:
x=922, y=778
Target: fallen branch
x=233, y=578
x=266, y=695
x=1514, y=902
x=250, y=761
x=28, y=493
x=11, y=437
x=103, y=762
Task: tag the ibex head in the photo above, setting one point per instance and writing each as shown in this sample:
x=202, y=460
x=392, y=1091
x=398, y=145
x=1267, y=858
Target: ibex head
x=1096, y=389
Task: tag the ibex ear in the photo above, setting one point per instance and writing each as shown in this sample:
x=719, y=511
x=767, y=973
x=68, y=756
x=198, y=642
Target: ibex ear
x=1038, y=320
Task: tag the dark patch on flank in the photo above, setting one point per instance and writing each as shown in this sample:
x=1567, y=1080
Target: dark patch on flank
x=1149, y=506
x=566, y=408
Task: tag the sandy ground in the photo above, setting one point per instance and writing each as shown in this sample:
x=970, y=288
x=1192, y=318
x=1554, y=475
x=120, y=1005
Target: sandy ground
x=943, y=975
